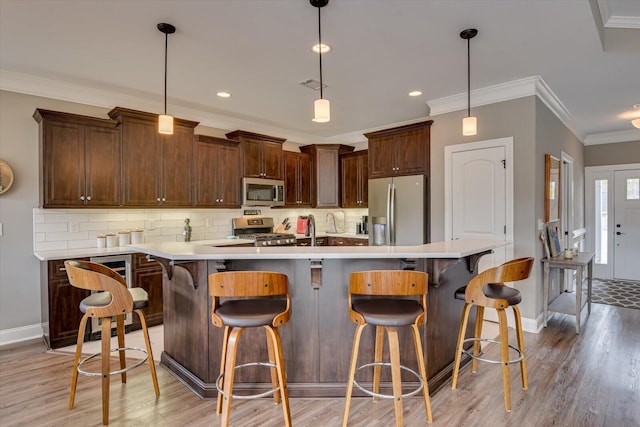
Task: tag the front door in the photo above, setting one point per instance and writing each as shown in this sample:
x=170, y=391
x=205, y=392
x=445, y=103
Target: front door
x=626, y=227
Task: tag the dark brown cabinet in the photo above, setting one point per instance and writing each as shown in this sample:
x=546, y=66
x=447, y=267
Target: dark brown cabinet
x=399, y=151
x=156, y=169
x=297, y=179
x=148, y=276
x=262, y=155
x=80, y=160
x=347, y=241
x=355, y=179
x=217, y=172
x=306, y=241
x=59, y=305
x=325, y=173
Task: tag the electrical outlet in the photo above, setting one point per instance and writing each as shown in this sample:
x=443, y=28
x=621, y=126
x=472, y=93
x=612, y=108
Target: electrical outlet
x=151, y=224
x=208, y=222
x=540, y=224
x=74, y=226
x=1, y=228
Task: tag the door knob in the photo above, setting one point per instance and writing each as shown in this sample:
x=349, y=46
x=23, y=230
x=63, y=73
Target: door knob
x=619, y=233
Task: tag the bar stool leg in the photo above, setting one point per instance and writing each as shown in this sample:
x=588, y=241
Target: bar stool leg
x=273, y=371
x=352, y=372
x=523, y=362
x=461, y=333
x=76, y=360
x=396, y=380
x=223, y=363
x=423, y=372
x=377, y=369
x=120, y=333
x=229, y=373
x=477, y=348
x=105, y=356
x=152, y=366
x=282, y=378
x=504, y=353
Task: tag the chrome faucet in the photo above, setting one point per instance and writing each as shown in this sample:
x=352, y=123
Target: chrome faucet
x=311, y=229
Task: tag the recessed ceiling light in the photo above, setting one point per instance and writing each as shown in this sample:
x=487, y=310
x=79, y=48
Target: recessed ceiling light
x=415, y=93
x=224, y=94
x=325, y=48
x=636, y=105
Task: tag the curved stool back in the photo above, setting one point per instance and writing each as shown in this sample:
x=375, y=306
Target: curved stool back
x=244, y=299
x=115, y=300
x=384, y=309
x=488, y=289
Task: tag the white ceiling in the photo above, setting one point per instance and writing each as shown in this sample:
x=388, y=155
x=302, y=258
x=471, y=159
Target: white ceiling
x=110, y=53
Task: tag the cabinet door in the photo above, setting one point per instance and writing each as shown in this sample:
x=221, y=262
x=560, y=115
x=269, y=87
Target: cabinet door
x=412, y=152
x=252, y=158
x=350, y=182
x=304, y=179
x=64, y=312
x=291, y=162
x=272, y=160
x=102, y=166
x=230, y=178
x=63, y=164
x=150, y=279
x=327, y=175
x=206, y=174
x=381, y=156
x=177, y=152
x=140, y=162
x=363, y=169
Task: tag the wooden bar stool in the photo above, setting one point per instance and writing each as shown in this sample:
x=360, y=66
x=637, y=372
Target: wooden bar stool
x=387, y=312
x=116, y=301
x=248, y=299
x=488, y=289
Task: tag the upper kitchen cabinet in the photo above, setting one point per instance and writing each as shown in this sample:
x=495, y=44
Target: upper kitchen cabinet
x=80, y=160
x=156, y=169
x=217, y=163
x=399, y=151
x=262, y=155
x=325, y=173
x=297, y=179
x=355, y=181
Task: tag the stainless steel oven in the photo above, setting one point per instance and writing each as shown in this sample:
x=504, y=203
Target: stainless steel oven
x=122, y=265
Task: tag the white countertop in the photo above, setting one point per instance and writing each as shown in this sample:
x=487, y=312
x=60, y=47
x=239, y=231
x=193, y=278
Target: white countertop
x=202, y=250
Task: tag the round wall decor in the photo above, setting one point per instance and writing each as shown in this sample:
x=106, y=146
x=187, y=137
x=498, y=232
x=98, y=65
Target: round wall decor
x=6, y=177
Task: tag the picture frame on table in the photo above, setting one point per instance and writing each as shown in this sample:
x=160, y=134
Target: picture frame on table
x=553, y=239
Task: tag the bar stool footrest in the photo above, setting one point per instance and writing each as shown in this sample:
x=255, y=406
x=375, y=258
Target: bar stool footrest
x=120, y=371
x=389, y=396
x=251, y=396
x=477, y=357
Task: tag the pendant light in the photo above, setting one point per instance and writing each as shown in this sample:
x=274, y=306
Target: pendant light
x=321, y=107
x=165, y=122
x=469, y=123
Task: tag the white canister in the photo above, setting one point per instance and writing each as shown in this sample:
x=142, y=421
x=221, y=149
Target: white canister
x=124, y=238
x=101, y=241
x=568, y=253
x=112, y=240
x=136, y=236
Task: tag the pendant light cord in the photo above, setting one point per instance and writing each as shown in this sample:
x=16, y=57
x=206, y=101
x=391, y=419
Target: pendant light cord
x=320, y=50
x=468, y=78
x=166, y=44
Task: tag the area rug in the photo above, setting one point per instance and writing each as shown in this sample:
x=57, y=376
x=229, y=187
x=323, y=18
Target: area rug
x=621, y=293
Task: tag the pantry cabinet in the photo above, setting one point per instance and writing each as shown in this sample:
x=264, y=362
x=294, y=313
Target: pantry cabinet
x=80, y=158
x=354, y=179
x=297, y=179
x=325, y=173
x=217, y=181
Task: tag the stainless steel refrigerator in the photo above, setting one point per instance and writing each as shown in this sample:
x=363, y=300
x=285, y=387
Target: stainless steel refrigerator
x=401, y=205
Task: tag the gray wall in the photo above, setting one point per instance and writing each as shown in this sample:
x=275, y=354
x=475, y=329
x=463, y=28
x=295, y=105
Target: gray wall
x=620, y=153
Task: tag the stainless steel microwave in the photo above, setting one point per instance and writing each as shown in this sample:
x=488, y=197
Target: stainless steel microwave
x=262, y=192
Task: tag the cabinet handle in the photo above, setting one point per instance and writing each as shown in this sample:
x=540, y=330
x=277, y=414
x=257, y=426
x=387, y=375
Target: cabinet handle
x=62, y=269
x=158, y=199
x=221, y=200
x=340, y=242
x=359, y=244
x=164, y=199
x=82, y=198
x=217, y=200
x=89, y=198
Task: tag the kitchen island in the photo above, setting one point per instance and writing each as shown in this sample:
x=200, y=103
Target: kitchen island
x=317, y=340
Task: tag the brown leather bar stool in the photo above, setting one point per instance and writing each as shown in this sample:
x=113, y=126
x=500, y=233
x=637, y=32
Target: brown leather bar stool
x=488, y=289
x=388, y=311
x=116, y=301
x=249, y=299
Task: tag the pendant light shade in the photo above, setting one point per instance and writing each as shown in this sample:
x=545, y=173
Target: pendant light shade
x=469, y=123
x=636, y=122
x=165, y=122
x=321, y=107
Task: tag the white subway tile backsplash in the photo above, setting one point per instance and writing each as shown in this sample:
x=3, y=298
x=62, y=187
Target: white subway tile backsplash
x=100, y=226
x=78, y=244
x=50, y=246
x=80, y=235
x=56, y=226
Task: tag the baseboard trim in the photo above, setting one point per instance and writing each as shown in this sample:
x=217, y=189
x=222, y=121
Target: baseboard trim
x=528, y=324
x=22, y=333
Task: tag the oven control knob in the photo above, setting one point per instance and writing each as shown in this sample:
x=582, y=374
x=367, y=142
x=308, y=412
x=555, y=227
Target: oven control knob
x=269, y=242
x=279, y=242
x=263, y=243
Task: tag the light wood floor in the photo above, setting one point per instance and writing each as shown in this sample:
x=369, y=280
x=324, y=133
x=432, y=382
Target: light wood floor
x=588, y=380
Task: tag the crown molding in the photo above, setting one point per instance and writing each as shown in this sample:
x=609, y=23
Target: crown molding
x=627, y=22
x=612, y=137
x=549, y=98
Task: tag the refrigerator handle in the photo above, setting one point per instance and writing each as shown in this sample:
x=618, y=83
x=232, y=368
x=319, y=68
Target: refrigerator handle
x=387, y=233
x=392, y=220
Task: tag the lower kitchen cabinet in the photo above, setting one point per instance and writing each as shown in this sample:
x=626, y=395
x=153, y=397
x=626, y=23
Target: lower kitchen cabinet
x=347, y=241
x=306, y=241
x=148, y=276
x=60, y=302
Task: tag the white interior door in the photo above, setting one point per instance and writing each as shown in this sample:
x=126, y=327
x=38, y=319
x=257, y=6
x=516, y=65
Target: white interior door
x=478, y=189
x=626, y=231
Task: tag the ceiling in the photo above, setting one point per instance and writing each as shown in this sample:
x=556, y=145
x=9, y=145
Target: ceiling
x=110, y=53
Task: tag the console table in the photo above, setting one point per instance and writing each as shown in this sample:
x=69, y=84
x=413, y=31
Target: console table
x=565, y=302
